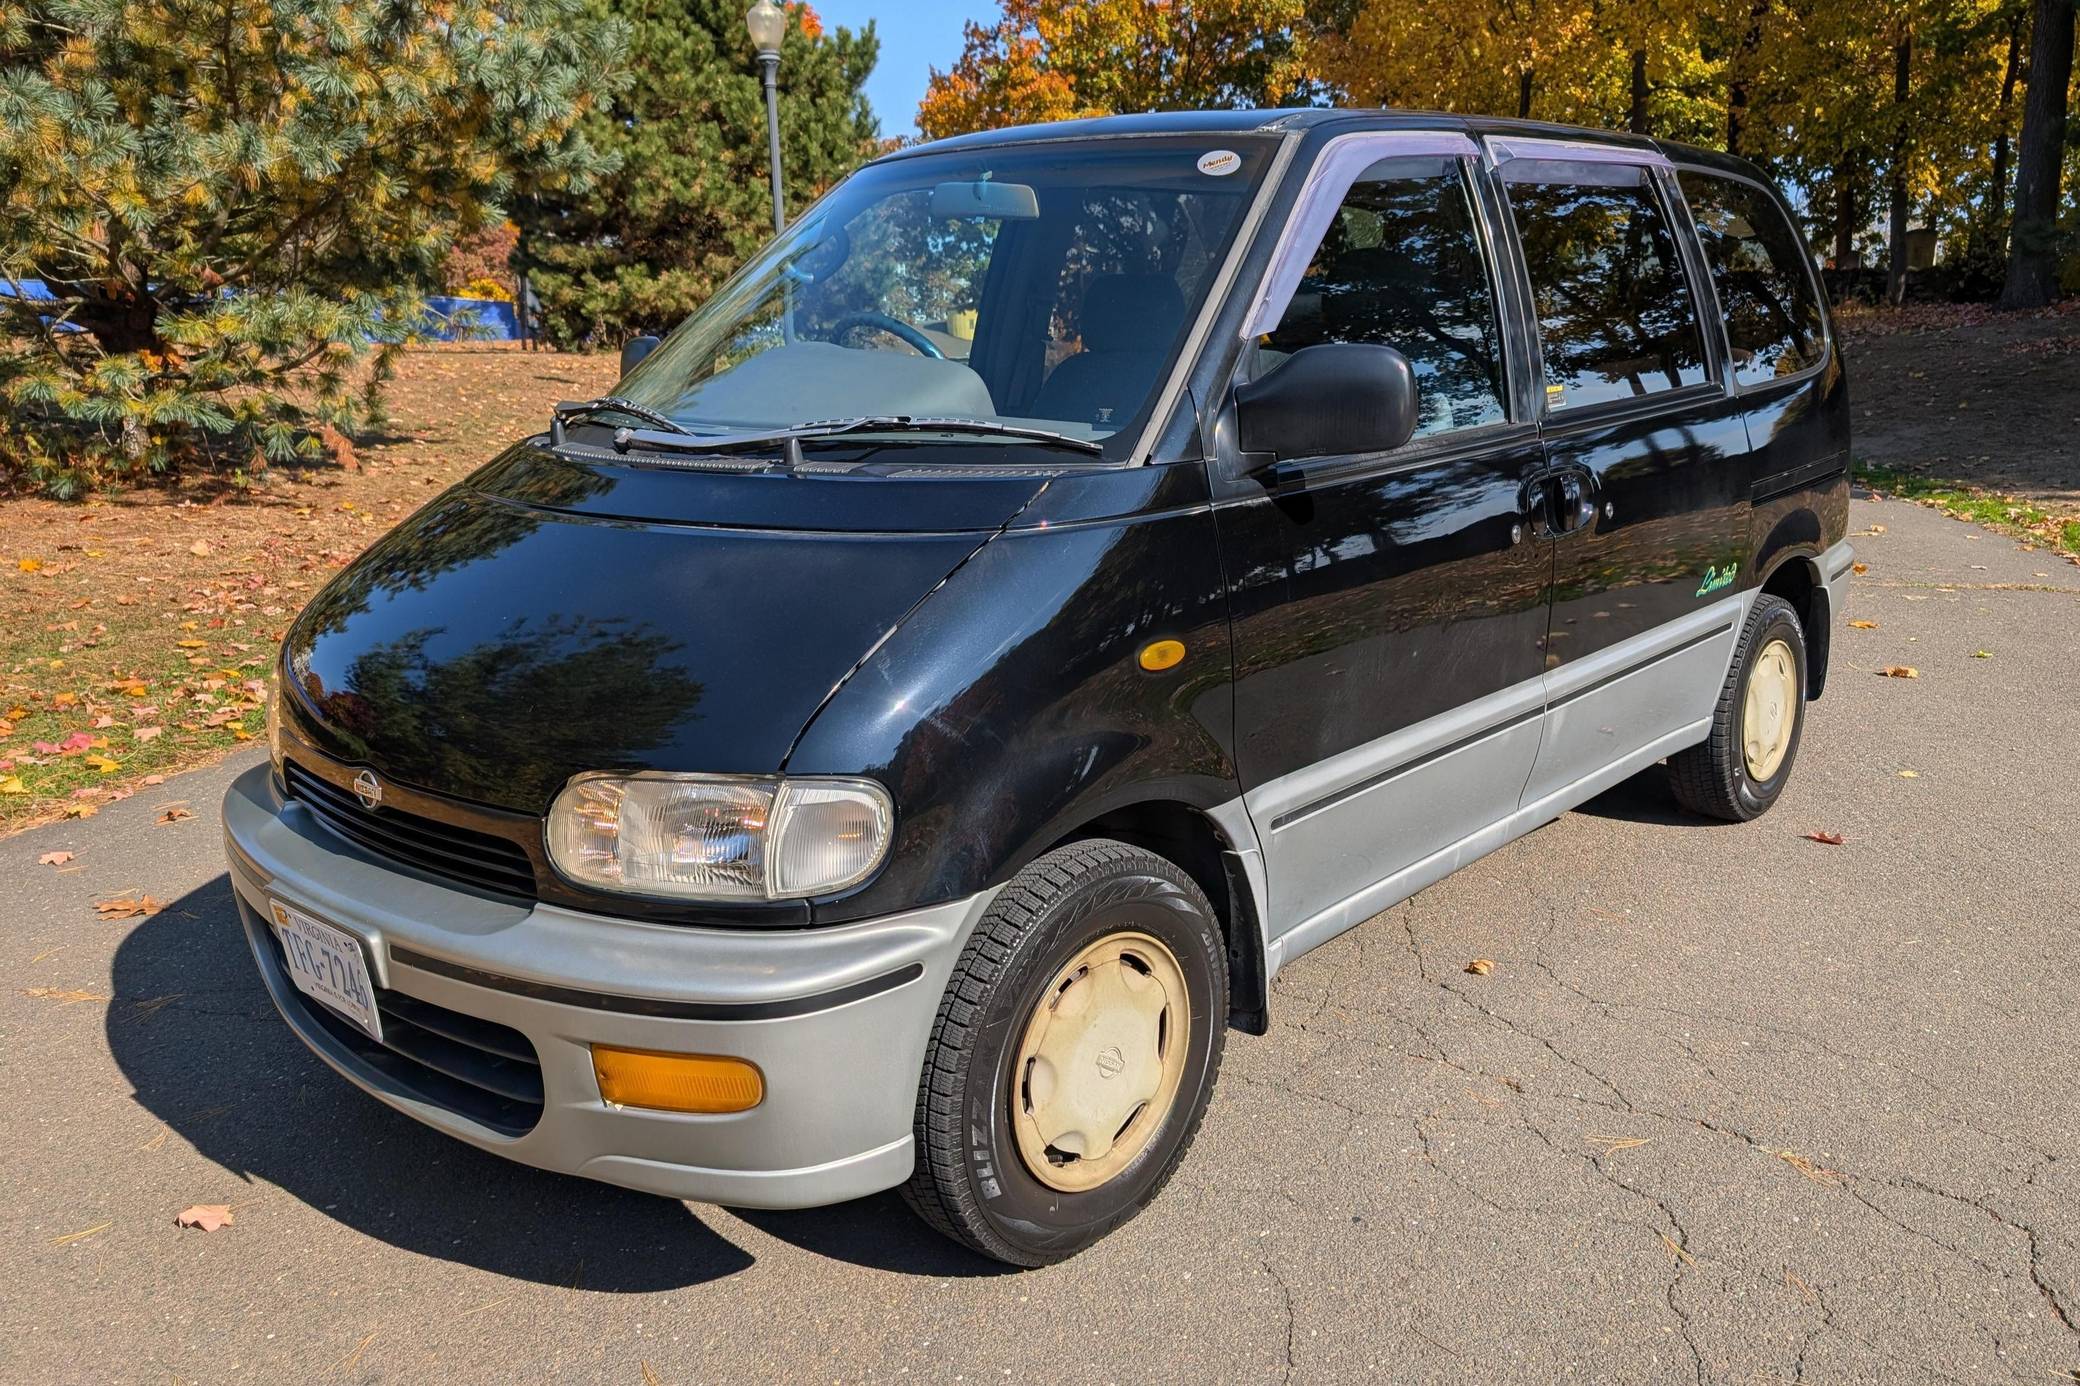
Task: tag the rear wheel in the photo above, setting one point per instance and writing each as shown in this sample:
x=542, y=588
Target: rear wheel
x=1739, y=770
x=1073, y=1056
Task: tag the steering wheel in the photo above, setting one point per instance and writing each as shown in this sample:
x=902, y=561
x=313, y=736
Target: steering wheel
x=882, y=322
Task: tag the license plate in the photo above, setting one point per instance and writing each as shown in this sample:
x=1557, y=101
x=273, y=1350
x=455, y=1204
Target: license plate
x=327, y=965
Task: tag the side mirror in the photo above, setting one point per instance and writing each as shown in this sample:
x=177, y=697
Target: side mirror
x=1329, y=400
x=634, y=350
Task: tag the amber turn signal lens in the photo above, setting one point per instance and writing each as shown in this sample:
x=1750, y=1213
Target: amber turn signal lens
x=677, y=1082
x=1162, y=654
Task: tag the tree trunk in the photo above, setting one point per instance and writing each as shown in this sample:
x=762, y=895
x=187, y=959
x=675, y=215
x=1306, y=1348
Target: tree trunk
x=1844, y=215
x=120, y=323
x=1525, y=80
x=1896, y=230
x=1997, y=195
x=1639, y=124
x=2033, y=245
x=1739, y=71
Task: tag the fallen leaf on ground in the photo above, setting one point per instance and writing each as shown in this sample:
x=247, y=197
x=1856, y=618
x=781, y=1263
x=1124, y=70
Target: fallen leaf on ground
x=1863, y=625
x=172, y=813
x=1859, y=567
x=1819, y=1174
x=1982, y=654
x=1899, y=671
x=128, y=907
x=143, y=734
x=54, y=858
x=1910, y=774
x=82, y=810
x=207, y=1216
x=64, y=996
x=1481, y=967
x=13, y=785
x=30, y=565
x=200, y=548
x=1831, y=839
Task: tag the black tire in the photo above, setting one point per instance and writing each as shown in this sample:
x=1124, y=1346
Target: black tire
x=971, y=1182
x=1712, y=778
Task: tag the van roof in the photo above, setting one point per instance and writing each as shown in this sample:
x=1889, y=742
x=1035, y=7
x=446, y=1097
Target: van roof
x=1280, y=121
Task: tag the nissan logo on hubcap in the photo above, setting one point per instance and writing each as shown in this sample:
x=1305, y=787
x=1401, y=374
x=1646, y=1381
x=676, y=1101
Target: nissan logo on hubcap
x=368, y=789
x=1110, y=1061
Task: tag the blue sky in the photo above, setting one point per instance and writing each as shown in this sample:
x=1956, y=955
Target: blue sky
x=916, y=35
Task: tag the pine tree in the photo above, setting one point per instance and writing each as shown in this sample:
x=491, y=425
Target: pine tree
x=690, y=200
x=235, y=206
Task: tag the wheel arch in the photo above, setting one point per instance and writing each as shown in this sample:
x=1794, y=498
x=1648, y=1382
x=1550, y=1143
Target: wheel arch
x=1795, y=577
x=1189, y=837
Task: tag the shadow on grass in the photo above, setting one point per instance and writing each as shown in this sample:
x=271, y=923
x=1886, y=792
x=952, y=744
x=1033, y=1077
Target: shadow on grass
x=206, y=1053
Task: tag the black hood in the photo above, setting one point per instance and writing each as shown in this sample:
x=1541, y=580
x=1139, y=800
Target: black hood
x=518, y=631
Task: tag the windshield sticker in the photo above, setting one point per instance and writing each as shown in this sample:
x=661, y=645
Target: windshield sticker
x=1219, y=163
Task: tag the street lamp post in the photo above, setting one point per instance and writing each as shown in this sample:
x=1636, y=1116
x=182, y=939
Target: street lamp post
x=767, y=23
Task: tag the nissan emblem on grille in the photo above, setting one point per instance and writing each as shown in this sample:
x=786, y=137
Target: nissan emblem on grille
x=368, y=789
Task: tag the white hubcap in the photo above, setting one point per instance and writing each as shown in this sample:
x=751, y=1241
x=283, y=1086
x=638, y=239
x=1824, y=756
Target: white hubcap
x=1771, y=710
x=1101, y=1062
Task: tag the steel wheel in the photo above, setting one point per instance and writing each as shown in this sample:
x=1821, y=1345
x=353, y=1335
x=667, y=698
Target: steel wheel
x=1099, y=1066
x=1770, y=710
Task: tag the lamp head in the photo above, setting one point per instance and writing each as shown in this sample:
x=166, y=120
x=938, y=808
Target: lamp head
x=767, y=23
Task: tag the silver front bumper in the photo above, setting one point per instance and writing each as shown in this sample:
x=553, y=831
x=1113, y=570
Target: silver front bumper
x=837, y=1018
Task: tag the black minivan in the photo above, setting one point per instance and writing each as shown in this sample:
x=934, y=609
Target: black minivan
x=1069, y=574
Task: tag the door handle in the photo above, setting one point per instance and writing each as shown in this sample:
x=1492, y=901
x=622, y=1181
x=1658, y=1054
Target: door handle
x=1577, y=501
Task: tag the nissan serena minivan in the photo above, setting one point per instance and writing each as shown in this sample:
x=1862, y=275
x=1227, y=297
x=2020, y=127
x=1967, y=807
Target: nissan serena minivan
x=1069, y=574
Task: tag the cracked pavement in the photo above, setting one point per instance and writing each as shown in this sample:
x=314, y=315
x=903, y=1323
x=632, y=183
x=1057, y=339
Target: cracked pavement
x=1734, y=1106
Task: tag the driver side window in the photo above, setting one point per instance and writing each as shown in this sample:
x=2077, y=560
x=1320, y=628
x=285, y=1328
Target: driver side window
x=1401, y=265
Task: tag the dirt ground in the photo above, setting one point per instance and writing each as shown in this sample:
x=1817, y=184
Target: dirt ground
x=1968, y=395
x=135, y=629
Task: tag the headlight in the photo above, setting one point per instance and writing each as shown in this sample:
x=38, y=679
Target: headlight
x=719, y=837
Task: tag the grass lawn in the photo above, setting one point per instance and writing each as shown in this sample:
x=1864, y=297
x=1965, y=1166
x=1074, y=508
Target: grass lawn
x=137, y=631
x=2037, y=525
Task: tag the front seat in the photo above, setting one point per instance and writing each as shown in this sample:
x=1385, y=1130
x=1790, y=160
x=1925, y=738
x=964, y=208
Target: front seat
x=1130, y=323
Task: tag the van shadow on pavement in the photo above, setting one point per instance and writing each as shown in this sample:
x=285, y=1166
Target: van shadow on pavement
x=218, y=1066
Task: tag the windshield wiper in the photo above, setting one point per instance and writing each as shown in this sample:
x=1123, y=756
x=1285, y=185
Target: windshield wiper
x=684, y=439
x=575, y=408
x=919, y=423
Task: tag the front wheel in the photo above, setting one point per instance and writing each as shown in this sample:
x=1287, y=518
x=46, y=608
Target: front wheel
x=1739, y=770
x=1073, y=1056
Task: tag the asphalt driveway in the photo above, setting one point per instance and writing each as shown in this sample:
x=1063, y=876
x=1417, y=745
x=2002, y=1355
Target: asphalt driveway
x=1733, y=1105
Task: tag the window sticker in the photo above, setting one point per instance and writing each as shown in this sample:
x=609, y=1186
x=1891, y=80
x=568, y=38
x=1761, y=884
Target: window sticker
x=1219, y=163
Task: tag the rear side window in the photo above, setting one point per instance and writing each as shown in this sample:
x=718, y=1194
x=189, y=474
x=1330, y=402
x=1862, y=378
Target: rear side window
x=1616, y=318
x=1763, y=277
x=1401, y=266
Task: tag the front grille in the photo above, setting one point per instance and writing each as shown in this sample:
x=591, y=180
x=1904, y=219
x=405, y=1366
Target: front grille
x=477, y=1069
x=490, y=863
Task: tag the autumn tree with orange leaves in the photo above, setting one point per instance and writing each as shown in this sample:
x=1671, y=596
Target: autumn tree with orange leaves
x=1057, y=59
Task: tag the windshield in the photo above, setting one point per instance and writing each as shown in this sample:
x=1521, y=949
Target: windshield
x=1042, y=286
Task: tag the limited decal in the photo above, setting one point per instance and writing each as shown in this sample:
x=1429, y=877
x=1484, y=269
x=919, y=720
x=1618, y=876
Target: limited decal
x=1714, y=578
x=1219, y=163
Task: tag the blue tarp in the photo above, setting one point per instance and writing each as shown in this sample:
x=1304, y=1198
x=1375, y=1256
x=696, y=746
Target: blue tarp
x=471, y=320
x=447, y=319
